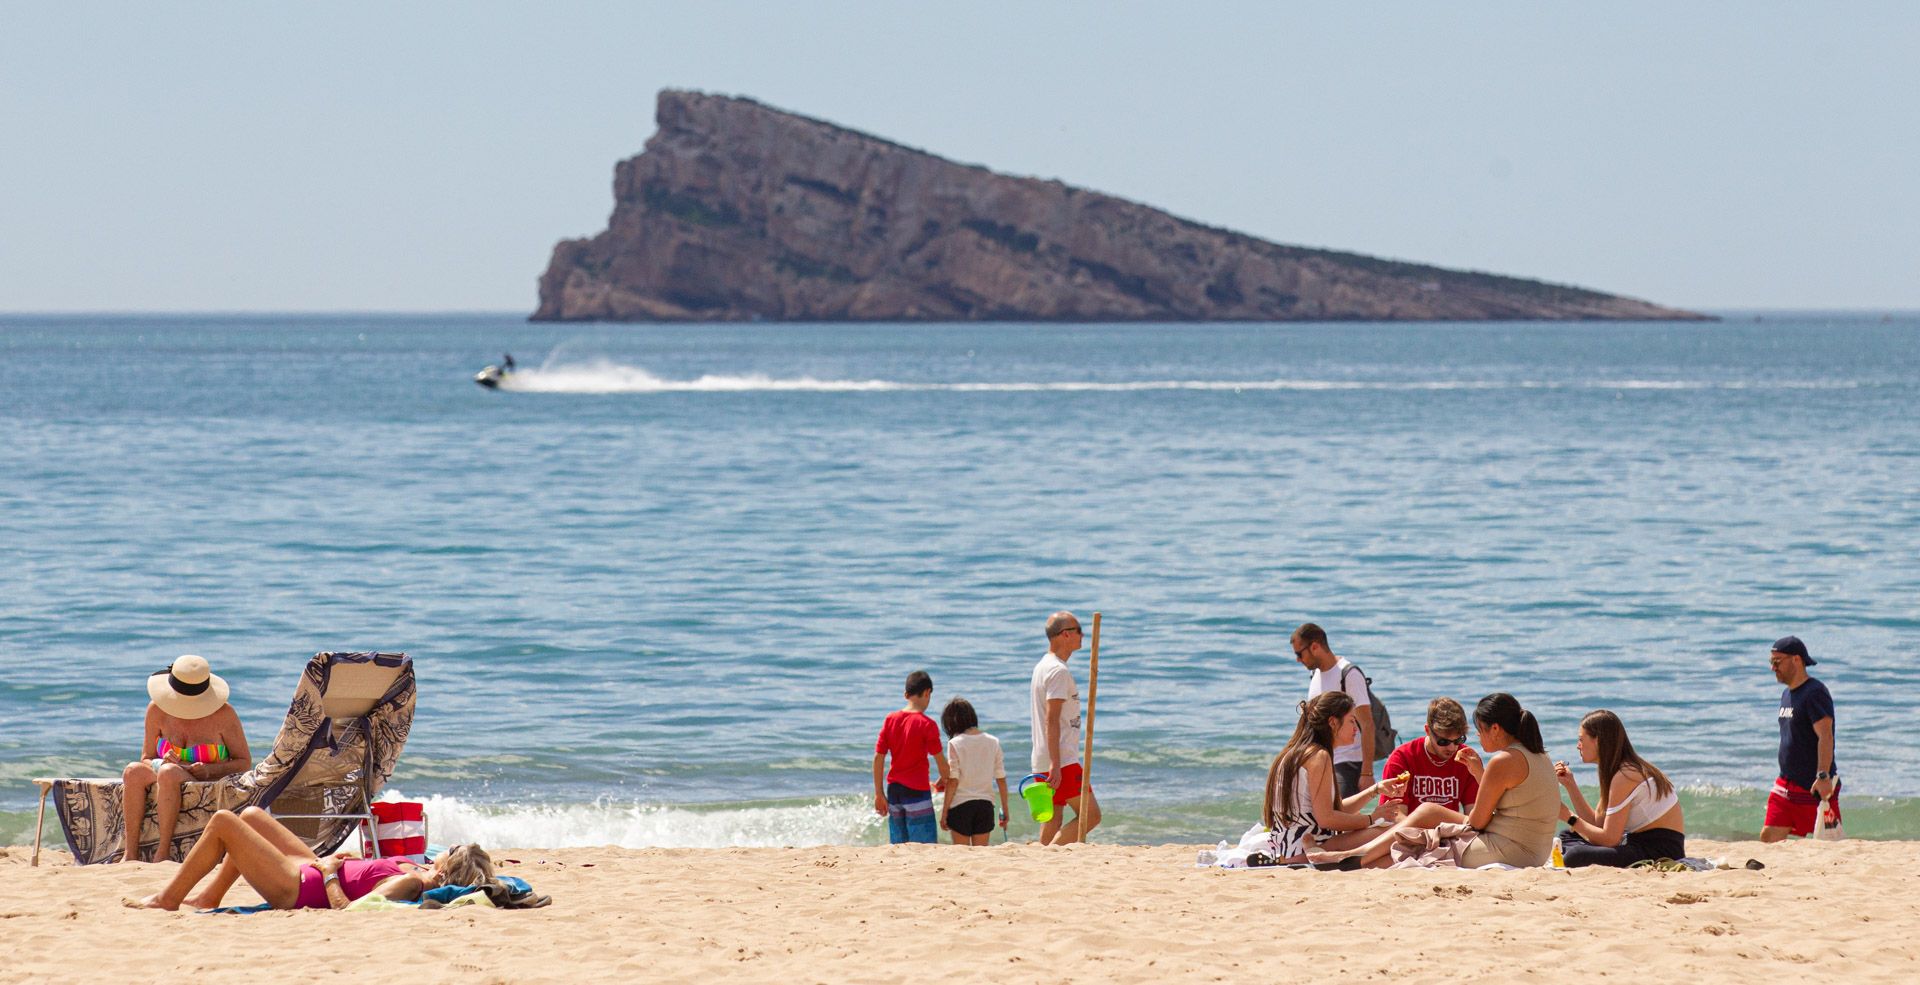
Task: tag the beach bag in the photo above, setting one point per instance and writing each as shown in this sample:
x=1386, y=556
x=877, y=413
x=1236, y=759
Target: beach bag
x=401, y=829
x=1385, y=738
x=1824, y=828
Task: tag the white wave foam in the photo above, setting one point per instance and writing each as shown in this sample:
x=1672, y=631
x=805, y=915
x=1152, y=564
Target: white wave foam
x=832, y=821
x=604, y=376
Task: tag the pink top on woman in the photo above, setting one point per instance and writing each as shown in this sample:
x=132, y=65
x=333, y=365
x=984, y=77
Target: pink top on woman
x=358, y=876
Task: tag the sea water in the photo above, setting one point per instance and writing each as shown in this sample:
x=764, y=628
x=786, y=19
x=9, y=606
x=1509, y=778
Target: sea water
x=663, y=589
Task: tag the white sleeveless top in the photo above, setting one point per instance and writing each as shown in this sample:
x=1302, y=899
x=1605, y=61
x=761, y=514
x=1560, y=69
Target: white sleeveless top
x=1644, y=806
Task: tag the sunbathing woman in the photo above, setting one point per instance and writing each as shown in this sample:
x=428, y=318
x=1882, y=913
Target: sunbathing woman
x=192, y=733
x=1639, y=813
x=1513, y=818
x=251, y=845
x=1299, y=809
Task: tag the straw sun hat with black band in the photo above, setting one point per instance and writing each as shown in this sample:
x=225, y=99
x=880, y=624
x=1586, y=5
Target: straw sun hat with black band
x=187, y=688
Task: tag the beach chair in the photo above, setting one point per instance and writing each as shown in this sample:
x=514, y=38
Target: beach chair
x=343, y=733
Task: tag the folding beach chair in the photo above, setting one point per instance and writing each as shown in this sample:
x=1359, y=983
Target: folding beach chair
x=343, y=733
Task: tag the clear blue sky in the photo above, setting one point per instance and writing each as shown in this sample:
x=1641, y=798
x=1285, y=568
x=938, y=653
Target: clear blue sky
x=426, y=156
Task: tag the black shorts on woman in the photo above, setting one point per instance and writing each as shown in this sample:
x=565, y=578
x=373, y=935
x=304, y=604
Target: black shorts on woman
x=1639, y=846
x=971, y=819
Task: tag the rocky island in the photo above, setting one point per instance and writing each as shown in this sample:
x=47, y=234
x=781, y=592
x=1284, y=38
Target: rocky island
x=738, y=211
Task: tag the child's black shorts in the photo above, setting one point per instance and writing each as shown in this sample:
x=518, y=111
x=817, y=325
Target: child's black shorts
x=975, y=817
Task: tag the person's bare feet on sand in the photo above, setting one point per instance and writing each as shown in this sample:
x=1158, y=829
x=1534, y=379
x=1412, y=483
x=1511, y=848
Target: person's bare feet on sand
x=153, y=902
x=199, y=901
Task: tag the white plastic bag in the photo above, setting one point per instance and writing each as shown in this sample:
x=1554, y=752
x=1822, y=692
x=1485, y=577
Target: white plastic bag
x=1825, y=827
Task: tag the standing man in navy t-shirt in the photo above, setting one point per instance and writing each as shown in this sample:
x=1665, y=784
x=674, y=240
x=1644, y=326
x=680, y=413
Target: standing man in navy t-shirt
x=1807, y=773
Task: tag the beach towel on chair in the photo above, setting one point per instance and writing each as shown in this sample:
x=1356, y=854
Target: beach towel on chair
x=317, y=766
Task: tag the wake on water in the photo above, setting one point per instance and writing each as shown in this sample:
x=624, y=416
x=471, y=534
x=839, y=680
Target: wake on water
x=603, y=376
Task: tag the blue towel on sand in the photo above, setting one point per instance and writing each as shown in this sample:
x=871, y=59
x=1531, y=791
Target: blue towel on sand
x=447, y=894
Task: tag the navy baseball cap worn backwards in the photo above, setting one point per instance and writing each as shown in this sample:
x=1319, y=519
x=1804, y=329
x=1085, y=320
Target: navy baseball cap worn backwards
x=1792, y=646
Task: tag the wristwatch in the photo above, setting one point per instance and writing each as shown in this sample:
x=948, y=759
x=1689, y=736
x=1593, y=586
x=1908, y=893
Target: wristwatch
x=1823, y=775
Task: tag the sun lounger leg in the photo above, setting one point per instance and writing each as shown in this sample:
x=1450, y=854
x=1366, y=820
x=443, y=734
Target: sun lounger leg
x=39, y=820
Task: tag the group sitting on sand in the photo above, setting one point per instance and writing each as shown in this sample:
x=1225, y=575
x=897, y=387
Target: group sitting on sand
x=1514, y=798
x=1440, y=804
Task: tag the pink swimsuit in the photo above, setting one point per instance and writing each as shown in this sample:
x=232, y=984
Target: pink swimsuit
x=358, y=876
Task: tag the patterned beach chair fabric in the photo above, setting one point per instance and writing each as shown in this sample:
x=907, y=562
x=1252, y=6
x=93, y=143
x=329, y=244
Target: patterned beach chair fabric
x=344, y=732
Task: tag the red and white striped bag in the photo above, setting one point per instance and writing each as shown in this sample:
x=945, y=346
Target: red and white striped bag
x=401, y=831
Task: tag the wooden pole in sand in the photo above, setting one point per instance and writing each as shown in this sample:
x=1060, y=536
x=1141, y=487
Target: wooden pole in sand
x=1086, y=756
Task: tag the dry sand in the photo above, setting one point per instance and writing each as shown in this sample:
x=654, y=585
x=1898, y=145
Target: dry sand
x=1845, y=911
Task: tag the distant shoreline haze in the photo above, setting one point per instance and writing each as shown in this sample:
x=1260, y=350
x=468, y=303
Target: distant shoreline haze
x=737, y=211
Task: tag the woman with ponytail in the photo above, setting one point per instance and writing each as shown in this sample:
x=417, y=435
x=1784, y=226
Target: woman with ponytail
x=1299, y=809
x=1638, y=816
x=1513, y=818
x=1520, y=787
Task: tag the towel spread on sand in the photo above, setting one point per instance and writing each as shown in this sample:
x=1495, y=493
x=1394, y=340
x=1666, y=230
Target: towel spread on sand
x=315, y=767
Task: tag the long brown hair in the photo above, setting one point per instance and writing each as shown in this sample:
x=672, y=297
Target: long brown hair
x=1314, y=731
x=1616, y=751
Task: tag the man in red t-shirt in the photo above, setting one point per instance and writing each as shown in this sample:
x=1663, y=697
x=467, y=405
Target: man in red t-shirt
x=905, y=797
x=1442, y=768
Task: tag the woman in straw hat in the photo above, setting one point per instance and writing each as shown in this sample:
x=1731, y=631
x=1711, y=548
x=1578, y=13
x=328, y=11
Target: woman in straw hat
x=192, y=734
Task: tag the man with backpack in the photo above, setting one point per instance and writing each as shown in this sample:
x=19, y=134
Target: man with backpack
x=1352, y=763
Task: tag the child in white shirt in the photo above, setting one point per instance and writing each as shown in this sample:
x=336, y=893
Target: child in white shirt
x=978, y=766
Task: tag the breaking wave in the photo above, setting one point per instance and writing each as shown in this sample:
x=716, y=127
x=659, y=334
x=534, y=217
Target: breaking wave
x=827, y=821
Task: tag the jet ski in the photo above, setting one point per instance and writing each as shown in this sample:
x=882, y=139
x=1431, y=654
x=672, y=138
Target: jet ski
x=492, y=376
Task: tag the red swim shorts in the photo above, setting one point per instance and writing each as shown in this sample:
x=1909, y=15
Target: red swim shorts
x=1067, y=787
x=1792, y=806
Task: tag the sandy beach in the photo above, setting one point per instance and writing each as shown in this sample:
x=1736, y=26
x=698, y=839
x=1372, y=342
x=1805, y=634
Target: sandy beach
x=1818, y=912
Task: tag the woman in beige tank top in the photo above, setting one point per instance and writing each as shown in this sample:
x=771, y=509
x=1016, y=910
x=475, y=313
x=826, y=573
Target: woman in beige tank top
x=1519, y=829
x=1519, y=802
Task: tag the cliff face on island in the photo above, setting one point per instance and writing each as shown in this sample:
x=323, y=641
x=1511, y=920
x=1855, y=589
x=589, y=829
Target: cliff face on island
x=738, y=211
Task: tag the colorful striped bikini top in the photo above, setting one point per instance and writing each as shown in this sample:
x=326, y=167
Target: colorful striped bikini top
x=205, y=752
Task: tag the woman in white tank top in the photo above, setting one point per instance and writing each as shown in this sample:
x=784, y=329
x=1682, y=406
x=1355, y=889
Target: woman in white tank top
x=1638, y=817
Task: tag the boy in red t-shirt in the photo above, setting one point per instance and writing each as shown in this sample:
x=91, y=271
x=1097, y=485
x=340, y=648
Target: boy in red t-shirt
x=1442, y=768
x=910, y=737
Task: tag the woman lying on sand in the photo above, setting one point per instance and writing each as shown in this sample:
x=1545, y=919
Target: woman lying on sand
x=1639, y=813
x=1513, y=819
x=1299, y=807
x=253, y=846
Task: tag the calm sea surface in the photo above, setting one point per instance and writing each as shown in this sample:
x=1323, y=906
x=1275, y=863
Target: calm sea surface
x=665, y=593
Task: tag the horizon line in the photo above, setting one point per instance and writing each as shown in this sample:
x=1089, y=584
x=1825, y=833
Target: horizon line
x=417, y=312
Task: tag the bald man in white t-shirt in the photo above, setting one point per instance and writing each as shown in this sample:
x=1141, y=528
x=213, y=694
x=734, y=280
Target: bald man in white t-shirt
x=1056, y=733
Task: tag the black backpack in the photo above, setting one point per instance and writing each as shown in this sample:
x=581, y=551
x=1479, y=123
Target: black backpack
x=1385, y=738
